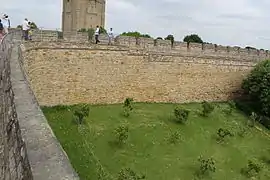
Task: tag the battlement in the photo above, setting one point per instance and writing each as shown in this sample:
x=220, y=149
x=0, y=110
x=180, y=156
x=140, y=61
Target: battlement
x=194, y=49
x=158, y=46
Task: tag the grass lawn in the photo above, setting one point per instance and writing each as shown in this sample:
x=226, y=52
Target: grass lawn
x=148, y=151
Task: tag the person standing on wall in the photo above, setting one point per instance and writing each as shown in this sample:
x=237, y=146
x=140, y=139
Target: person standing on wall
x=110, y=34
x=1, y=30
x=25, y=29
x=6, y=23
x=97, y=32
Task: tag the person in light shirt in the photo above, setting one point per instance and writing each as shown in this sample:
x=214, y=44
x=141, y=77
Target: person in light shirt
x=110, y=34
x=6, y=23
x=25, y=28
x=97, y=34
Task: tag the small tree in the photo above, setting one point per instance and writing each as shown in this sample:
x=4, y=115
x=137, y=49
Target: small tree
x=129, y=174
x=81, y=112
x=128, y=106
x=208, y=108
x=135, y=34
x=174, y=137
x=251, y=170
x=121, y=133
x=194, y=38
x=231, y=107
x=171, y=38
x=181, y=115
x=222, y=134
x=206, y=166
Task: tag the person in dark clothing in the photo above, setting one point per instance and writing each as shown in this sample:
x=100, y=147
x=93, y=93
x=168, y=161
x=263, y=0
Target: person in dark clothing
x=1, y=28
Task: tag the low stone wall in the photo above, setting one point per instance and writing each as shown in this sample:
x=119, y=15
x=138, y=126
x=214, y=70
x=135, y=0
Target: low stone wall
x=14, y=164
x=29, y=149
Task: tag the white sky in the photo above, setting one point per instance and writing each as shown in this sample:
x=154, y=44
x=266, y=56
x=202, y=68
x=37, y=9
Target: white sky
x=230, y=22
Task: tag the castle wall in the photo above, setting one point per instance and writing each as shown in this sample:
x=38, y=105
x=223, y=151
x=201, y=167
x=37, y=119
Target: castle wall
x=70, y=74
x=14, y=162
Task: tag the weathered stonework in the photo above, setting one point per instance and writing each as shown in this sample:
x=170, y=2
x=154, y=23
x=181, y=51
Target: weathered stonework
x=28, y=148
x=78, y=14
x=14, y=164
x=75, y=73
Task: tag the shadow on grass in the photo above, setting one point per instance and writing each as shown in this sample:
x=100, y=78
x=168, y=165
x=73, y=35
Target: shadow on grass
x=116, y=144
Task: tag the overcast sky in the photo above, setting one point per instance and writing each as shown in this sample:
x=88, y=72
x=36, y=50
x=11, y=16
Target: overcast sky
x=230, y=22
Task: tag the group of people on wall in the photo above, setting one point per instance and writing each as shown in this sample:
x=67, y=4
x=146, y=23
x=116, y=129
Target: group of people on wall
x=109, y=33
x=27, y=30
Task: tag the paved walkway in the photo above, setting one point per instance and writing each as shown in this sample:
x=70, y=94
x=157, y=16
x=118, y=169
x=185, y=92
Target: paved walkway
x=47, y=159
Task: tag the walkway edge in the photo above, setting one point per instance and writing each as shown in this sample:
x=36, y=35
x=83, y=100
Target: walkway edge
x=47, y=158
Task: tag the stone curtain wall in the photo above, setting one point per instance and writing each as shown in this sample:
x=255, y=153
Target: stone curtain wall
x=74, y=73
x=14, y=164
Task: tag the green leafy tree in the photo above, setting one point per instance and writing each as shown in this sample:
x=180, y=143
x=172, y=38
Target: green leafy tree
x=257, y=89
x=33, y=25
x=170, y=37
x=251, y=170
x=128, y=106
x=129, y=174
x=181, y=115
x=121, y=133
x=193, y=38
x=206, y=166
x=90, y=32
x=135, y=34
x=81, y=112
x=208, y=108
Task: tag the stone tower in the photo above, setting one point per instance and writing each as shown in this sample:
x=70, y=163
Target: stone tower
x=78, y=14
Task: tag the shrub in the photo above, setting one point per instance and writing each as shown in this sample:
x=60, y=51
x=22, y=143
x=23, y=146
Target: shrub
x=206, y=166
x=208, y=108
x=252, y=169
x=128, y=107
x=121, y=133
x=257, y=88
x=81, y=112
x=231, y=107
x=181, y=115
x=129, y=174
x=174, y=137
x=223, y=133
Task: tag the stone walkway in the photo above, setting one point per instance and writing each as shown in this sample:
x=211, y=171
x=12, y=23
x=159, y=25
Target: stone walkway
x=46, y=156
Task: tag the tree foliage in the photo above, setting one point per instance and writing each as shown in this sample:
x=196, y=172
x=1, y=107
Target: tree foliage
x=170, y=37
x=257, y=89
x=181, y=115
x=135, y=34
x=193, y=38
x=81, y=112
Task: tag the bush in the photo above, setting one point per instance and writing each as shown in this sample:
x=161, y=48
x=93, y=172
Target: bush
x=252, y=169
x=121, y=133
x=129, y=174
x=231, y=107
x=257, y=88
x=206, y=166
x=81, y=112
x=128, y=107
x=222, y=134
x=181, y=115
x=208, y=108
x=174, y=137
